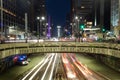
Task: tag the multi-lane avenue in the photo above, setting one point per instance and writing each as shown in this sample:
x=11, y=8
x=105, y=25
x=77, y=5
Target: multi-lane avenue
x=57, y=66
x=72, y=69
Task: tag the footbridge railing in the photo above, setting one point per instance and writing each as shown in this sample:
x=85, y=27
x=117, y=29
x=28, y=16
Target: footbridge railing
x=60, y=47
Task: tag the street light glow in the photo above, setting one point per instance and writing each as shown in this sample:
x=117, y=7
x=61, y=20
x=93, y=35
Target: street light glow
x=38, y=18
x=43, y=18
x=76, y=17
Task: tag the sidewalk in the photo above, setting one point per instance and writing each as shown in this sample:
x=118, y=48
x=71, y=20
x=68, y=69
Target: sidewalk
x=98, y=67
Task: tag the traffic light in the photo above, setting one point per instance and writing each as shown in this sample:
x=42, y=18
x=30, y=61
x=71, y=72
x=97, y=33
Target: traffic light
x=82, y=26
x=103, y=29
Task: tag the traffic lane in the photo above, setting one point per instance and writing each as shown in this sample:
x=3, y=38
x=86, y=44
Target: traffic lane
x=88, y=74
x=17, y=70
x=36, y=69
x=48, y=74
x=69, y=69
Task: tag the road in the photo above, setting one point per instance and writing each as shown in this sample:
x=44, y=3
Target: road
x=59, y=66
x=50, y=68
x=44, y=70
x=77, y=71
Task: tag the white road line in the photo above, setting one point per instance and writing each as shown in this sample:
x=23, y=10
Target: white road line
x=39, y=68
x=47, y=67
x=35, y=67
x=50, y=78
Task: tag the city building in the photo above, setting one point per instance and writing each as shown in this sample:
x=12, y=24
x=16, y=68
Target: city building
x=40, y=13
x=82, y=12
x=12, y=18
x=68, y=27
x=95, y=12
x=102, y=14
x=115, y=16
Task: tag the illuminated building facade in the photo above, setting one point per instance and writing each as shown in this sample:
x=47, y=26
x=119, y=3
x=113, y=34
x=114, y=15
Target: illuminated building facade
x=115, y=13
x=13, y=16
x=95, y=11
x=115, y=16
x=82, y=11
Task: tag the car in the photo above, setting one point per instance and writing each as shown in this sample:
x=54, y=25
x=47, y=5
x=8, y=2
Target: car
x=24, y=62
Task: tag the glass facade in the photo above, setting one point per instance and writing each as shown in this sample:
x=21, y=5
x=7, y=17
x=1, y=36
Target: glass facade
x=115, y=12
x=13, y=15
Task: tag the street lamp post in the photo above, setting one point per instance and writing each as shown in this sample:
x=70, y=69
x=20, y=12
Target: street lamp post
x=38, y=30
x=39, y=27
x=77, y=26
x=1, y=24
x=72, y=26
x=26, y=27
x=77, y=19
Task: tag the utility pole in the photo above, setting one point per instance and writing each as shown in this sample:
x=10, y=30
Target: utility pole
x=95, y=20
x=26, y=27
x=1, y=25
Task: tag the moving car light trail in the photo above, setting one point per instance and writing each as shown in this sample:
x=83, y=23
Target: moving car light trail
x=43, y=66
x=71, y=75
x=87, y=73
x=70, y=69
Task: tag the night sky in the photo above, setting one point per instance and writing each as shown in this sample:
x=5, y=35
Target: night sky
x=58, y=9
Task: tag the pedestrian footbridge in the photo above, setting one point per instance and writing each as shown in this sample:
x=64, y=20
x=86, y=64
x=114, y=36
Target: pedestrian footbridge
x=60, y=47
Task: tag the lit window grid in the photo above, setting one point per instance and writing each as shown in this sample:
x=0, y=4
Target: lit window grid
x=115, y=12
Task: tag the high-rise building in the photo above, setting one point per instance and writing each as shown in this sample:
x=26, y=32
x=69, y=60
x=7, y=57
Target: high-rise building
x=115, y=12
x=40, y=7
x=40, y=11
x=81, y=12
x=7, y=15
x=12, y=17
x=83, y=8
x=115, y=16
x=68, y=26
x=102, y=14
x=96, y=12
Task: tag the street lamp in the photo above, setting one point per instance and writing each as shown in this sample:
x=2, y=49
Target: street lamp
x=72, y=26
x=42, y=18
x=77, y=20
x=76, y=17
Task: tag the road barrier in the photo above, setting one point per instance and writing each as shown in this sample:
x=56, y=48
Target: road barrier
x=59, y=47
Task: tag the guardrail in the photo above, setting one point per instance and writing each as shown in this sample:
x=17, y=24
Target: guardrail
x=59, y=47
